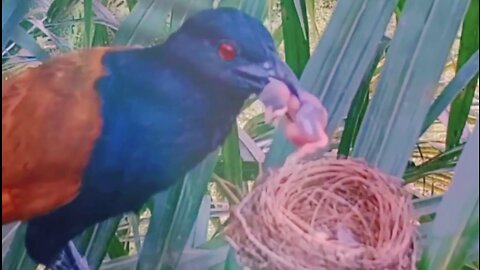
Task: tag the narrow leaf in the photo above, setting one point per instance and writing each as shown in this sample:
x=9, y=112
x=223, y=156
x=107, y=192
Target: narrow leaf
x=88, y=17
x=399, y=9
x=8, y=232
x=277, y=35
x=231, y=262
x=297, y=47
x=202, y=259
x=232, y=159
x=466, y=73
x=13, y=13
x=214, y=243
x=17, y=258
x=229, y=3
x=301, y=9
x=183, y=9
x=256, y=8
x=427, y=206
x=311, y=11
x=249, y=170
x=134, y=221
x=413, y=66
x=60, y=8
x=442, y=162
x=359, y=105
x=147, y=24
x=26, y=41
x=100, y=36
x=115, y=248
x=131, y=3
x=455, y=228
x=100, y=240
x=460, y=107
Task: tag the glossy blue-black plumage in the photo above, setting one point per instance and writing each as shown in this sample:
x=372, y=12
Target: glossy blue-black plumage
x=150, y=138
x=164, y=109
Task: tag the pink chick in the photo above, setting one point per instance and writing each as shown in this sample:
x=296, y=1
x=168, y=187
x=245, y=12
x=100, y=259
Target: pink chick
x=303, y=118
x=304, y=125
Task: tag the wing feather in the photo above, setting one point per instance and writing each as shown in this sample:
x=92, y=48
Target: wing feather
x=50, y=121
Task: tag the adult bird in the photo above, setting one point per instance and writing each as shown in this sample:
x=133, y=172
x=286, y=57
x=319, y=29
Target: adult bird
x=93, y=134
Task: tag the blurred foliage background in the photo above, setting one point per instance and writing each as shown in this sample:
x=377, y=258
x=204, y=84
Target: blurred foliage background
x=352, y=55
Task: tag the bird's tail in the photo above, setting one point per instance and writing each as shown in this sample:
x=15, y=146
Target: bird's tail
x=70, y=259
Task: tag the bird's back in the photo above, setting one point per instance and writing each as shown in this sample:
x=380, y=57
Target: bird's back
x=50, y=121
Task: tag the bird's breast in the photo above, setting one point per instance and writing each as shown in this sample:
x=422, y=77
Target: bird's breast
x=156, y=125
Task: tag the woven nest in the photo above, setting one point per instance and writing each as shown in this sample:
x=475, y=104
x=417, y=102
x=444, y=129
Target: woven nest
x=325, y=214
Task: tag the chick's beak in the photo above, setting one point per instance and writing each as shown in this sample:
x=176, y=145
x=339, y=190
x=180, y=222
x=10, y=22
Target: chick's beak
x=282, y=89
x=275, y=97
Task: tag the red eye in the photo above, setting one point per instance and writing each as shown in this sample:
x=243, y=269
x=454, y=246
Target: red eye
x=227, y=51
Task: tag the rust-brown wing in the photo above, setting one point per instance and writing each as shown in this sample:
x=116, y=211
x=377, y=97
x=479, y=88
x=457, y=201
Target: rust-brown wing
x=50, y=122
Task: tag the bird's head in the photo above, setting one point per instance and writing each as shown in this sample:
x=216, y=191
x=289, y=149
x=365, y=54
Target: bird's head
x=234, y=50
x=227, y=48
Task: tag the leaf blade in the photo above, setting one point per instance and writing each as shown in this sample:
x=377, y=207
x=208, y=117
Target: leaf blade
x=455, y=228
x=13, y=13
x=26, y=41
x=87, y=14
x=359, y=105
x=146, y=23
x=463, y=77
x=233, y=170
x=295, y=34
x=414, y=64
x=460, y=107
